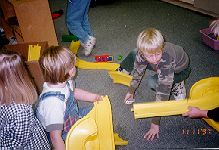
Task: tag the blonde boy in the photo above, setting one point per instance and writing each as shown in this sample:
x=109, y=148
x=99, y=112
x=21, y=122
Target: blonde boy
x=170, y=64
x=58, y=109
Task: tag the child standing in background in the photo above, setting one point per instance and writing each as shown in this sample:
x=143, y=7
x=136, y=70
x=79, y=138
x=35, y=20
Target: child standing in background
x=169, y=63
x=57, y=108
x=78, y=23
x=19, y=128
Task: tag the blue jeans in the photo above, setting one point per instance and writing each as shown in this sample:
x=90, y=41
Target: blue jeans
x=77, y=19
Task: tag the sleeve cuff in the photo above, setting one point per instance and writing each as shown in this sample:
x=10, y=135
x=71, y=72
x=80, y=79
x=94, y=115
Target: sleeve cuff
x=131, y=90
x=53, y=127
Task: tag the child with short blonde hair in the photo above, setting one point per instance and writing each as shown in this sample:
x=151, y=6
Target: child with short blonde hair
x=58, y=109
x=170, y=64
x=19, y=127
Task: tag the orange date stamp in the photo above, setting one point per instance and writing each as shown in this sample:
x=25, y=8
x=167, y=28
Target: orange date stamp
x=198, y=131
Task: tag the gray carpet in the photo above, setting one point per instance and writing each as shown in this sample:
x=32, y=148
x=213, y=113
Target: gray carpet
x=116, y=27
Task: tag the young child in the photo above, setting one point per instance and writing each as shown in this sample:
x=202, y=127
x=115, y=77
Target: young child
x=170, y=64
x=19, y=128
x=57, y=108
x=78, y=23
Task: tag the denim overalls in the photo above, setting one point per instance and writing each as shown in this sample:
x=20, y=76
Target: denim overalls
x=72, y=112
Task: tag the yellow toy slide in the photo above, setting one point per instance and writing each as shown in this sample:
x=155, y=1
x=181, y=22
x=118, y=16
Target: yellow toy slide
x=203, y=94
x=95, y=130
x=119, y=77
x=74, y=46
x=82, y=64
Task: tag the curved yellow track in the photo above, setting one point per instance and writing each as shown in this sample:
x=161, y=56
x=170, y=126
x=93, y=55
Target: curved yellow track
x=203, y=94
x=119, y=77
x=95, y=130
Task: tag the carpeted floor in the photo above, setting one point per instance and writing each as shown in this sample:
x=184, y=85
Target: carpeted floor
x=116, y=27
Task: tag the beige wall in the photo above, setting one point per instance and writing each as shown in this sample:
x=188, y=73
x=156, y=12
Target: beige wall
x=208, y=5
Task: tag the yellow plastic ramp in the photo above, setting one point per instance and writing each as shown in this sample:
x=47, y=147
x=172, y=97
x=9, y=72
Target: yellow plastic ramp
x=162, y=108
x=203, y=94
x=74, y=46
x=95, y=130
x=121, y=78
x=33, y=52
x=206, y=87
x=82, y=64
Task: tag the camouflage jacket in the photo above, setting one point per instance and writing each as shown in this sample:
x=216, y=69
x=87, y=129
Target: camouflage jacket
x=173, y=60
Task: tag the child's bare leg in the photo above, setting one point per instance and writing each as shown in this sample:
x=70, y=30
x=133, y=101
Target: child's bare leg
x=152, y=133
x=128, y=62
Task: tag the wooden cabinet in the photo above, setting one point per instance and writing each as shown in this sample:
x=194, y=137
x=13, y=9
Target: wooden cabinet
x=35, y=23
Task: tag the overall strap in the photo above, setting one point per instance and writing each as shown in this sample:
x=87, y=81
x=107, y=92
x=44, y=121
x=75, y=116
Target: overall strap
x=56, y=94
x=71, y=113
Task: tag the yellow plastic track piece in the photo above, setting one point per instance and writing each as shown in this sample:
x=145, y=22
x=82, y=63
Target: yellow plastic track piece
x=33, y=52
x=95, y=130
x=119, y=77
x=203, y=94
x=74, y=46
x=119, y=141
x=82, y=64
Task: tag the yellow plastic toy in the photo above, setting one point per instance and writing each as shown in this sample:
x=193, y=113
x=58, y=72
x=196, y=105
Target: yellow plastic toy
x=82, y=64
x=74, y=46
x=203, y=94
x=119, y=77
x=95, y=130
x=33, y=52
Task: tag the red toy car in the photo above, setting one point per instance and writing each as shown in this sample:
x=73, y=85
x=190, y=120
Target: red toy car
x=104, y=58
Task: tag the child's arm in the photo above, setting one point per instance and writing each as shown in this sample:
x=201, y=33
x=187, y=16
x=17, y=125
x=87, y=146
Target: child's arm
x=215, y=27
x=56, y=138
x=86, y=96
x=140, y=65
x=195, y=112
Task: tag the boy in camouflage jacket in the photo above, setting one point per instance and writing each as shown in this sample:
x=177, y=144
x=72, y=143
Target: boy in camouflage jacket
x=170, y=64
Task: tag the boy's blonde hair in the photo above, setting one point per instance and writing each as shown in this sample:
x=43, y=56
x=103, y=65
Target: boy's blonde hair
x=56, y=62
x=15, y=84
x=150, y=41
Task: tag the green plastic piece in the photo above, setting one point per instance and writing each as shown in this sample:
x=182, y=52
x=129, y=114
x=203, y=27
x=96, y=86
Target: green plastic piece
x=119, y=57
x=69, y=38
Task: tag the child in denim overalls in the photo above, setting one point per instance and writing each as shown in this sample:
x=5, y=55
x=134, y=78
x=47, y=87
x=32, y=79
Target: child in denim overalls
x=57, y=109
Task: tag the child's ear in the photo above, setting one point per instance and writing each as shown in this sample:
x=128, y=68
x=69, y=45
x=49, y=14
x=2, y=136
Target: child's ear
x=72, y=72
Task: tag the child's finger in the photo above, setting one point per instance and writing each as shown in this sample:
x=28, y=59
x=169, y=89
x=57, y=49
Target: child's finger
x=185, y=114
x=157, y=135
x=149, y=137
x=99, y=98
x=152, y=137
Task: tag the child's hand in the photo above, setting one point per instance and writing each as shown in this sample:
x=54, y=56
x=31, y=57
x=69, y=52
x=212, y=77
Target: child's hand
x=98, y=98
x=195, y=112
x=128, y=97
x=154, y=131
